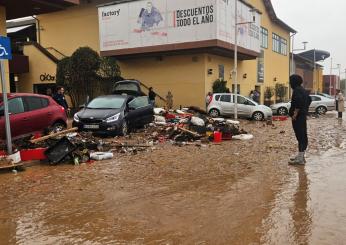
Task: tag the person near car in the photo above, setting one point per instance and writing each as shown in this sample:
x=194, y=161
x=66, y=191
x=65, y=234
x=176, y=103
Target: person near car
x=300, y=103
x=251, y=95
x=208, y=99
x=59, y=97
x=340, y=103
x=169, y=100
x=256, y=96
x=152, y=96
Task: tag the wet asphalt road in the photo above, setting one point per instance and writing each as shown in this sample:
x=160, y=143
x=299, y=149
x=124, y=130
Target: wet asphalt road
x=234, y=193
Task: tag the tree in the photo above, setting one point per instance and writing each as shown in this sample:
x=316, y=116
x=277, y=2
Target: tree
x=108, y=74
x=219, y=86
x=268, y=93
x=85, y=74
x=280, y=91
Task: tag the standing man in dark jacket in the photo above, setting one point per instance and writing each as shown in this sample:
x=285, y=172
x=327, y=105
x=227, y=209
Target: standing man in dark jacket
x=59, y=97
x=300, y=104
x=152, y=96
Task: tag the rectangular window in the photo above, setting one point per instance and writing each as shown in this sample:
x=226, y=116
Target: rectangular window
x=279, y=44
x=283, y=46
x=222, y=72
x=233, y=88
x=264, y=37
x=276, y=43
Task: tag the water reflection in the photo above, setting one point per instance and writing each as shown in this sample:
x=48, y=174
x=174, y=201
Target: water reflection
x=300, y=212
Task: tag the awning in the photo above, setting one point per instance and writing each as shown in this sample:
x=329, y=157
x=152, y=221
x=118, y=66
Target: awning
x=17, y=29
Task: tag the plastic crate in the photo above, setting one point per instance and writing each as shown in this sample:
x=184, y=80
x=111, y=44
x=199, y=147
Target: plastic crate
x=60, y=151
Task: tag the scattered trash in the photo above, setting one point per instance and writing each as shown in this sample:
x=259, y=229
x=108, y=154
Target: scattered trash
x=243, y=137
x=99, y=156
x=60, y=151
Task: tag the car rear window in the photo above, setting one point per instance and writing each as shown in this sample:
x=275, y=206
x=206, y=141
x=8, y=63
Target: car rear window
x=126, y=87
x=35, y=103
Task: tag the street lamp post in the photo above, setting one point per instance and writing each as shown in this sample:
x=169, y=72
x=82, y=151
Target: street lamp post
x=293, y=70
x=330, y=76
x=235, y=71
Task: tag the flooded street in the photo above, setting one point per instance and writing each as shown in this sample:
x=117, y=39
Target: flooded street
x=239, y=192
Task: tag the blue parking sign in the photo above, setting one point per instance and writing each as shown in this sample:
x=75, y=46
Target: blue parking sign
x=5, y=48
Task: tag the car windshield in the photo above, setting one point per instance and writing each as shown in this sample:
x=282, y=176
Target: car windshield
x=106, y=103
x=126, y=87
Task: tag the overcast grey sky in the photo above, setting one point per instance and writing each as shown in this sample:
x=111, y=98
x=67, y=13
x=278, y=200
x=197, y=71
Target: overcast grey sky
x=319, y=22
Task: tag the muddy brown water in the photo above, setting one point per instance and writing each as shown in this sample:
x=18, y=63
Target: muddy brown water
x=233, y=193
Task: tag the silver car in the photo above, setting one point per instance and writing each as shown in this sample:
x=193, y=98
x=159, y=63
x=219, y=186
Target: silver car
x=223, y=105
x=319, y=104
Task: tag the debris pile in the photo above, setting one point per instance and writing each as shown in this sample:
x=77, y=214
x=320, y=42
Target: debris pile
x=188, y=126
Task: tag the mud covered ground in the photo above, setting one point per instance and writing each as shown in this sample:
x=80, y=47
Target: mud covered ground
x=239, y=192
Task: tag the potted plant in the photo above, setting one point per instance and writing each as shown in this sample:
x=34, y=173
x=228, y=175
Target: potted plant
x=268, y=94
x=280, y=92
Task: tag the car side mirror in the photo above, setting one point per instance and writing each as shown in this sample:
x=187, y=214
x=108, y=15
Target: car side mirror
x=131, y=108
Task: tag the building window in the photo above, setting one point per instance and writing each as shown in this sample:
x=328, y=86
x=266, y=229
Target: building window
x=276, y=43
x=279, y=44
x=233, y=88
x=222, y=72
x=283, y=46
x=264, y=37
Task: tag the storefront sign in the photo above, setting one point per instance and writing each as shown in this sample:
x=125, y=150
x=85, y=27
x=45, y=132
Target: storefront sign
x=159, y=22
x=47, y=78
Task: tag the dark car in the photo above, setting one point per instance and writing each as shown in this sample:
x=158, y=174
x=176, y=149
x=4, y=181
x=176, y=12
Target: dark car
x=31, y=113
x=114, y=114
x=128, y=87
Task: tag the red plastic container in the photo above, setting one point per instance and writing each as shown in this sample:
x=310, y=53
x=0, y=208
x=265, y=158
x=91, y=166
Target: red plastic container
x=3, y=153
x=33, y=154
x=217, y=137
x=279, y=118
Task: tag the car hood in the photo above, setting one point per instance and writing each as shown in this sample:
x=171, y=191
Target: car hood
x=97, y=113
x=263, y=108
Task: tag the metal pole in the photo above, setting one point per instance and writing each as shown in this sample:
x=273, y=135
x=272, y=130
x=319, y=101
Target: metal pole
x=236, y=60
x=6, y=114
x=330, y=76
x=292, y=62
x=314, y=74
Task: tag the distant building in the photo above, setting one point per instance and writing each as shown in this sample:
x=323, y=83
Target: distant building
x=330, y=84
x=177, y=46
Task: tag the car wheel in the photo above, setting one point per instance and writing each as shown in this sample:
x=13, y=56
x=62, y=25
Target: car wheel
x=282, y=111
x=258, y=116
x=57, y=127
x=124, y=128
x=321, y=110
x=214, y=113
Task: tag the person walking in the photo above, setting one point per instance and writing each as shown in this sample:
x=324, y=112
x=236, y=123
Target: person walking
x=59, y=97
x=300, y=103
x=340, y=103
x=152, y=96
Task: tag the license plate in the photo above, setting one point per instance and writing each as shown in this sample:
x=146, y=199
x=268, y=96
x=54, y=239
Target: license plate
x=91, y=126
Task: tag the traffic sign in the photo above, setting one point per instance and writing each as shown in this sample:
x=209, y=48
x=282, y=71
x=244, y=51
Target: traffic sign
x=5, y=54
x=5, y=48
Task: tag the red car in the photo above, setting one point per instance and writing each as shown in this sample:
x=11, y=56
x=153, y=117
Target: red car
x=31, y=113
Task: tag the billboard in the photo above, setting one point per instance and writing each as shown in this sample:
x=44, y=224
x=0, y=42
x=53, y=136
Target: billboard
x=145, y=23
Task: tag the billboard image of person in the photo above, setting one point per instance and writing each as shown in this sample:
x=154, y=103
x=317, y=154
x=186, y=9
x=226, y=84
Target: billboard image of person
x=149, y=17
